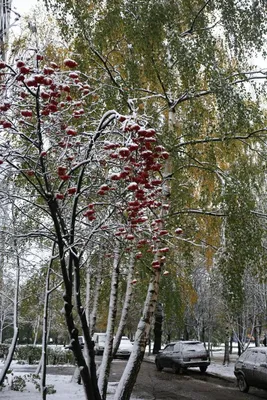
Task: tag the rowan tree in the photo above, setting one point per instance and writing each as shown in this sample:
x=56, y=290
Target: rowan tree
x=87, y=181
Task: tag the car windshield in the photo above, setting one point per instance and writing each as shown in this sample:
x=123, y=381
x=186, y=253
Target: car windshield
x=125, y=341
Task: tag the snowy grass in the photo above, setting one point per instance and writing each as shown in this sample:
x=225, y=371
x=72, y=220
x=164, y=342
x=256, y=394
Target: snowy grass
x=66, y=388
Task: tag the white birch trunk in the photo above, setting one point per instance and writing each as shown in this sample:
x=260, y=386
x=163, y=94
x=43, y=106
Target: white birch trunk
x=15, y=319
x=36, y=330
x=96, y=295
x=129, y=375
x=88, y=291
x=2, y=312
x=46, y=328
x=107, y=355
x=126, y=305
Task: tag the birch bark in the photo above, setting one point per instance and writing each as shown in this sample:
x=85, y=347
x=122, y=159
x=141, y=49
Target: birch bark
x=15, y=318
x=130, y=373
x=126, y=305
x=45, y=328
x=107, y=355
x=93, y=314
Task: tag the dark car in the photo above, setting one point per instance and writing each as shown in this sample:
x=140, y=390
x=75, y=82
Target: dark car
x=251, y=369
x=183, y=355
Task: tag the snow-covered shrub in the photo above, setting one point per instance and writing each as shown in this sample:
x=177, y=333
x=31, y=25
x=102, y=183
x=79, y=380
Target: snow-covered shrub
x=51, y=389
x=59, y=356
x=31, y=354
x=3, y=350
x=18, y=384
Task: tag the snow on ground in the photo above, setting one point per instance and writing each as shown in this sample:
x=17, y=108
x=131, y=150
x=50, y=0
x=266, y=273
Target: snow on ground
x=66, y=388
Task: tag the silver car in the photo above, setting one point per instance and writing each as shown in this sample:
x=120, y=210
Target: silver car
x=251, y=369
x=183, y=355
x=125, y=348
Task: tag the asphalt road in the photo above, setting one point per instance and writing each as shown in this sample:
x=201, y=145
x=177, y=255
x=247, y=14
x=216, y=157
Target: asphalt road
x=165, y=385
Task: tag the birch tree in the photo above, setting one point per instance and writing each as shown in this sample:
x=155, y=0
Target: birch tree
x=193, y=67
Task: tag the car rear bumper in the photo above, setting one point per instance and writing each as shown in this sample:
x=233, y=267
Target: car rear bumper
x=123, y=353
x=99, y=350
x=192, y=363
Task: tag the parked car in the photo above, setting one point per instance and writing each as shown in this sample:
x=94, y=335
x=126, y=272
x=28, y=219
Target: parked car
x=183, y=355
x=100, y=341
x=125, y=347
x=251, y=369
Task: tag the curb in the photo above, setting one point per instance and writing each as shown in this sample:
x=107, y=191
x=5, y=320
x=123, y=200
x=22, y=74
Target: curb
x=225, y=378
x=149, y=360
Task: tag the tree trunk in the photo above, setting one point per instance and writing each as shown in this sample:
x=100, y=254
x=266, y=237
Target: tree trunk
x=36, y=330
x=45, y=328
x=88, y=377
x=92, y=317
x=257, y=332
x=126, y=305
x=2, y=312
x=107, y=355
x=15, y=319
x=158, y=328
x=130, y=373
x=86, y=359
x=226, y=359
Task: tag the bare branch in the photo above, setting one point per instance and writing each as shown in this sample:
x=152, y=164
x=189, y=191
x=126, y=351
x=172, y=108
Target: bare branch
x=191, y=29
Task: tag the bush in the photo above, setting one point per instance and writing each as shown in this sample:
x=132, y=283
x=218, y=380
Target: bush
x=32, y=355
x=18, y=384
x=3, y=350
x=59, y=356
x=51, y=389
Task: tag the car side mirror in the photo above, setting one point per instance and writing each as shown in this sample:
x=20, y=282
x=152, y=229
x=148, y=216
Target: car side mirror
x=264, y=365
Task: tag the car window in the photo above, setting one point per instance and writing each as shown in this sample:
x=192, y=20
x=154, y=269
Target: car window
x=168, y=348
x=252, y=357
x=244, y=356
x=261, y=358
x=193, y=346
x=125, y=341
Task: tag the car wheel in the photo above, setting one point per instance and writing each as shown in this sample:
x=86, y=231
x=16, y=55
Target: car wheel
x=203, y=369
x=158, y=366
x=242, y=384
x=175, y=368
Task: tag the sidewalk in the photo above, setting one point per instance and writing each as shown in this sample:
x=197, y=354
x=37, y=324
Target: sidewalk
x=216, y=367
